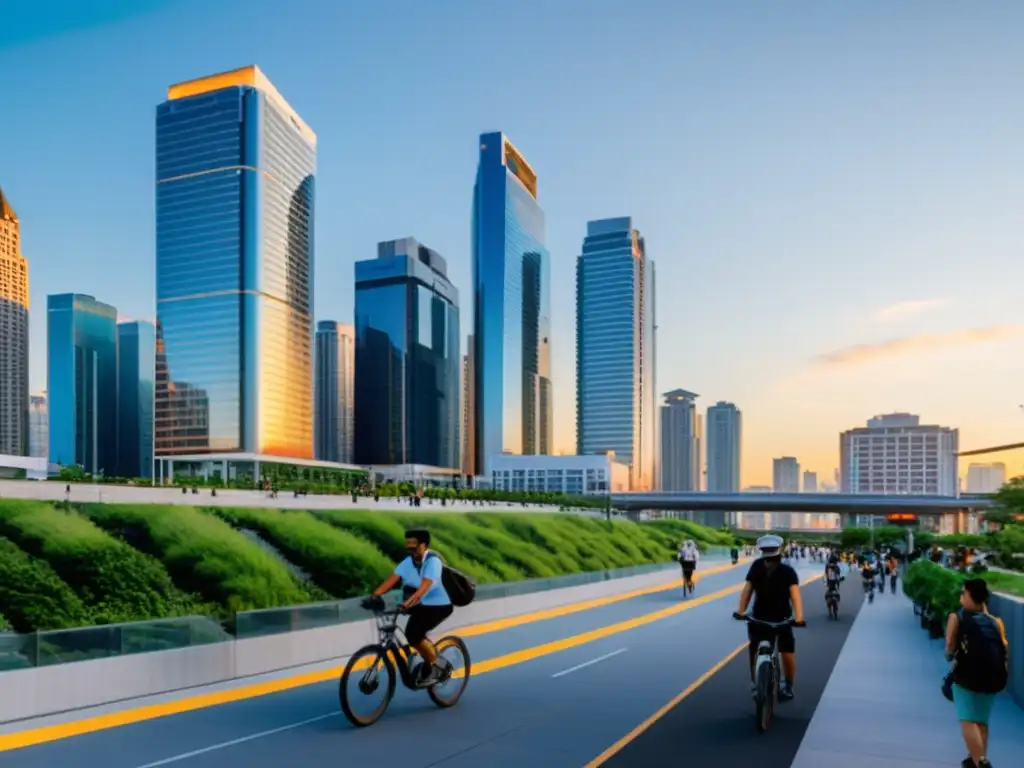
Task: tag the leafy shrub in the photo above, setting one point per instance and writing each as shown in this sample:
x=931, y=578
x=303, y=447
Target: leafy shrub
x=115, y=581
x=33, y=596
x=204, y=555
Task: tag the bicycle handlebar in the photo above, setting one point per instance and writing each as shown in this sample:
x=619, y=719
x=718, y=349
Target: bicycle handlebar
x=790, y=622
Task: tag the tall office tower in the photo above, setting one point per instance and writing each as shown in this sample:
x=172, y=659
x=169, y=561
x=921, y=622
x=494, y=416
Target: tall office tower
x=810, y=482
x=511, y=307
x=724, y=438
x=468, y=411
x=335, y=397
x=614, y=349
x=81, y=374
x=894, y=453
x=38, y=426
x=786, y=475
x=14, y=426
x=136, y=386
x=235, y=172
x=681, y=436
x=986, y=478
x=407, y=358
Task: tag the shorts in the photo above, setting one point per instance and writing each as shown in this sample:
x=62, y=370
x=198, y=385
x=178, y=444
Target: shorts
x=756, y=633
x=423, y=619
x=971, y=706
x=689, y=566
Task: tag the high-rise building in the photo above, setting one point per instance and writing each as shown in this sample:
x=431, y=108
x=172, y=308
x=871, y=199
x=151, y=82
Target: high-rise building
x=810, y=482
x=407, y=358
x=986, y=478
x=81, y=374
x=681, y=437
x=235, y=168
x=334, y=401
x=512, y=307
x=614, y=348
x=724, y=428
x=786, y=475
x=38, y=426
x=468, y=412
x=14, y=426
x=895, y=454
x=136, y=385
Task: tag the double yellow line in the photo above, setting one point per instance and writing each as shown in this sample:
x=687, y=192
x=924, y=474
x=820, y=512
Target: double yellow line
x=56, y=732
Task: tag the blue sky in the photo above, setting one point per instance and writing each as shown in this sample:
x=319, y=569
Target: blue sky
x=833, y=193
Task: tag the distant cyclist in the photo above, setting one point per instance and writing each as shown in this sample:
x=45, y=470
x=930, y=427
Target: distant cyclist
x=833, y=575
x=688, y=557
x=426, y=600
x=867, y=575
x=775, y=588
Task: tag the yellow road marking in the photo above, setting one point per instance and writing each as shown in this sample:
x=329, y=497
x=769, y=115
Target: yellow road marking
x=632, y=736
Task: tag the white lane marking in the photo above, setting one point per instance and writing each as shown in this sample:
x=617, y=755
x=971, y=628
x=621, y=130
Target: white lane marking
x=233, y=742
x=584, y=664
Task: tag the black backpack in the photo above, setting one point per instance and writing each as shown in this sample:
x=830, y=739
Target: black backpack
x=981, y=658
x=460, y=588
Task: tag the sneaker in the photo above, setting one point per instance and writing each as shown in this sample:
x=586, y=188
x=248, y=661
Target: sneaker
x=785, y=692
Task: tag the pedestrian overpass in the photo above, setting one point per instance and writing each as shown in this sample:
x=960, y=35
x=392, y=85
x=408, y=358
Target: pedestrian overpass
x=946, y=514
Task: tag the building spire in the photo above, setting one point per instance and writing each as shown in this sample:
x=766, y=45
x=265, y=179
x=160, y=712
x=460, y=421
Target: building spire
x=6, y=211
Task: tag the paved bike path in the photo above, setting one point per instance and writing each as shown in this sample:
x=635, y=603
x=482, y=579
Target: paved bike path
x=143, y=743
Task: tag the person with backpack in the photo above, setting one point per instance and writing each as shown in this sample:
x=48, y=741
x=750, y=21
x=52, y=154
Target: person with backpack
x=430, y=590
x=976, y=643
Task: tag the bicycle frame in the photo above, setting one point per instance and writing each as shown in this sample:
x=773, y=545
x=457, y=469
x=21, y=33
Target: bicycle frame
x=399, y=653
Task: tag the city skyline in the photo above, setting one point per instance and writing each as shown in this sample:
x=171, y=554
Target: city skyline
x=853, y=346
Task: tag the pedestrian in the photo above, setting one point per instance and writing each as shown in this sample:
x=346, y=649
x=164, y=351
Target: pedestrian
x=976, y=643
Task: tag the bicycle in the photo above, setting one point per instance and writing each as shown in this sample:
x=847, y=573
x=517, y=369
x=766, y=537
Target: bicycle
x=387, y=654
x=688, y=582
x=869, y=588
x=767, y=670
x=832, y=600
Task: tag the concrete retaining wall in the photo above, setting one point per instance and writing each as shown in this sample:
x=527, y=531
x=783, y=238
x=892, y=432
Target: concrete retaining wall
x=40, y=691
x=1011, y=611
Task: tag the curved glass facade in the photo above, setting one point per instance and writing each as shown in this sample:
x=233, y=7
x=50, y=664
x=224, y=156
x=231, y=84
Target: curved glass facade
x=235, y=186
x=511, y=308
x=407, y=359
x=136, y=349
x=334, y=395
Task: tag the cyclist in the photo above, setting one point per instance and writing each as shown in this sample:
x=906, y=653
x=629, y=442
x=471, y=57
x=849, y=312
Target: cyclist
x=734, y=553
x=867, y=575
x=833, y=575
x=424, y=599
x=775, y=588
x=688, y=557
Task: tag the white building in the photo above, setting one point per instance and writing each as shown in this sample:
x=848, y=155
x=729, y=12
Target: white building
x=786, y=475
x=895, y=454
x=986, y=478
x=810, y=482
x=576, y=475
x=724, y=438
x=38, y=426
x=681, y=437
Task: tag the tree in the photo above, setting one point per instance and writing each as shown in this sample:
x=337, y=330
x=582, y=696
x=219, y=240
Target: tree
x=1000, y=517
x=1011, y=496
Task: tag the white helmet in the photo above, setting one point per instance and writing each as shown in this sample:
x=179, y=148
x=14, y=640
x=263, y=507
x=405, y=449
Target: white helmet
x=770, y=542
x=688, y=544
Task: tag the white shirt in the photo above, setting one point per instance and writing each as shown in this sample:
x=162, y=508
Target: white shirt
x=690, y=554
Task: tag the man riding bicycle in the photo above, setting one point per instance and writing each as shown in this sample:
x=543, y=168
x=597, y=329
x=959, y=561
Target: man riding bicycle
x=775, y=588
x=833, y=575
x=688, y=557
x=425, y=599
x=867, y=574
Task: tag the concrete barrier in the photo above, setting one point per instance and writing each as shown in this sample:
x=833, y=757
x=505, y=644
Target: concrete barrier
x=40, y=691
x=1011, y=610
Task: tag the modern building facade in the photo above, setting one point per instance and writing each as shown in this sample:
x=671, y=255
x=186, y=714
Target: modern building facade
x=235, y=167
x=467, y=432
x=407, y=358
x=81, y=373
x=614, y=349
x=334, y=401
x=136, y=390
x=573, y=475
x=14, y=405
x=511, y=307
x=682, y=434
x=810, y=481
x=986, y=478
x=786, y=475
x=725, y=439
x=38, y=426
x=896, y=454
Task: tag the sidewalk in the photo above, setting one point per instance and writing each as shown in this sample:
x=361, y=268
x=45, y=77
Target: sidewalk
x=883, y=706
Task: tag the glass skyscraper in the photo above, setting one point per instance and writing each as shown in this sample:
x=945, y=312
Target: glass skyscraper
x=235, y=172
x=81, y=374
x=334, y=400
x=511, y=308
x=136, y=360
x=615, y=349
x=407, y=358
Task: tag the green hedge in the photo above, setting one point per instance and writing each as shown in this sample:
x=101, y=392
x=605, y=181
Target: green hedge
x=33, y=595
x=937, y=588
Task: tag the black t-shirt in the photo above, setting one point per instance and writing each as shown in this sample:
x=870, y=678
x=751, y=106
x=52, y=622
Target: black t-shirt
x=771, y=590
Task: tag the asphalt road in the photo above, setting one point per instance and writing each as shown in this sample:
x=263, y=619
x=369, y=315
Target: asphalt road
x=557, y=692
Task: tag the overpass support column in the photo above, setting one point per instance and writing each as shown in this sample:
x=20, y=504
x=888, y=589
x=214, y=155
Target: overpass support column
x=845, y=520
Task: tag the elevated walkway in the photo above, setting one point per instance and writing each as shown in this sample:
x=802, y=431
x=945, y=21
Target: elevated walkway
x=883, y=706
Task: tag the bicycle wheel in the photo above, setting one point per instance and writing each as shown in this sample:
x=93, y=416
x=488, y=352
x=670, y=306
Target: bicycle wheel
x=447, y=693
x=765, y=696
x=364, y=669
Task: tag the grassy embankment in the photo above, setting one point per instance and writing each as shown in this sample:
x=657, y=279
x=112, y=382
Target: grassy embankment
x=103, y=563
